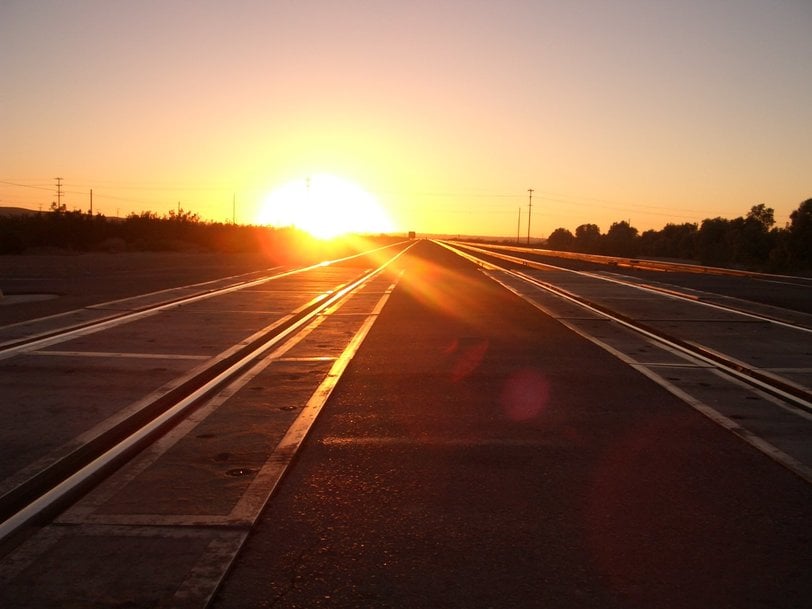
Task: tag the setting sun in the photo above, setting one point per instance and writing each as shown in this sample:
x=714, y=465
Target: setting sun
x=324, y=206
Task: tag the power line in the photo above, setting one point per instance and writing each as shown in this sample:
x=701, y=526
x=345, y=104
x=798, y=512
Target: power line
x=591, y=202
x=49, y=188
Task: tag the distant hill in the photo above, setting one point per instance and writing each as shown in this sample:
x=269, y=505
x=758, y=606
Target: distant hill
x=16, y=211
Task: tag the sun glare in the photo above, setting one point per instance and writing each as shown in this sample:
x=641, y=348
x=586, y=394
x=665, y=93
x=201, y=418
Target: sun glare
x=324, y=206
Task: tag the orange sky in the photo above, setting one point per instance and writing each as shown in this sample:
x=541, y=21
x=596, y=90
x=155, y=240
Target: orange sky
x=447, y=112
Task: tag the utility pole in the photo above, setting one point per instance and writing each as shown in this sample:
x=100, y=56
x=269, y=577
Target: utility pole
x=91, y=201
x=529, y=211
x=234, y=208
x=519, y=226
x=58, y=193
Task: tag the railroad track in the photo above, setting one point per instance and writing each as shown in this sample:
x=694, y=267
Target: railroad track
x=40, y=333
x=766, y=349
x=173, y=518
x=54, y=478
x=631, y=263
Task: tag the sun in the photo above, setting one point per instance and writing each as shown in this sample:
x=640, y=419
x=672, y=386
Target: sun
x=325, y=206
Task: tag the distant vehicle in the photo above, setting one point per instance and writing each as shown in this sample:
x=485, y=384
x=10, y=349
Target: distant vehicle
x=411, y=234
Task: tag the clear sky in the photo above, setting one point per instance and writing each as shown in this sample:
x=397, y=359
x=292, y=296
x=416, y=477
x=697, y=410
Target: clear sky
x=652, y=111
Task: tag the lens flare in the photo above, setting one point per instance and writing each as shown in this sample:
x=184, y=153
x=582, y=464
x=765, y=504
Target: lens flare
x=525, y=395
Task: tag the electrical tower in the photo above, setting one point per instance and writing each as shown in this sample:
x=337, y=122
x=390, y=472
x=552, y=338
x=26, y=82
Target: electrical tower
x=529, y=211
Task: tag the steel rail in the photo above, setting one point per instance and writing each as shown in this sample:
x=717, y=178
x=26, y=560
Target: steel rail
x=67, y=478
x=799, y=396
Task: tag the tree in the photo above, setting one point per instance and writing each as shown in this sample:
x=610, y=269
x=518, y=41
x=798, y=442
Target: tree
x=751, y=239
x=561, y=239
x=711, y=241
x=673, y=241
x=182, y=215
x=800, y=236
x=621, y=240
x=588, y=238
x=763, y=215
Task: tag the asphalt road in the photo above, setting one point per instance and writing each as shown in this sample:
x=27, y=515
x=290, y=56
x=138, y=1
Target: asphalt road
x=479, y=454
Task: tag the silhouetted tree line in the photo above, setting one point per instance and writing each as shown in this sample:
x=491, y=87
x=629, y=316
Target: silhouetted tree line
x=179, y=231
x=752, y=241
